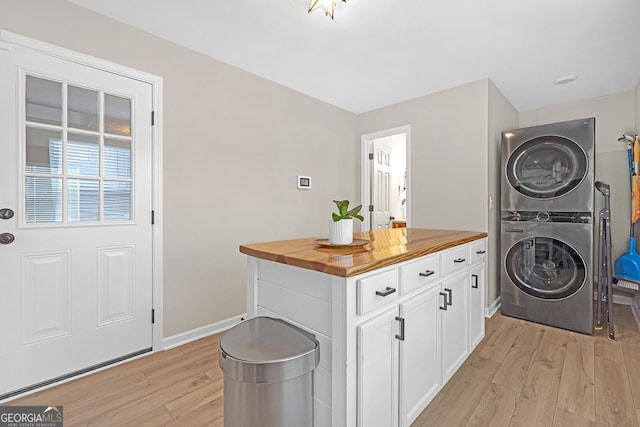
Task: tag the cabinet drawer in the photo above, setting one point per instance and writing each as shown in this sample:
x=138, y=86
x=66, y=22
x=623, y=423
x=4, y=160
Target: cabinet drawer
x=455, y=259
x=478, y=251
x=419, y=273
x=377, y=290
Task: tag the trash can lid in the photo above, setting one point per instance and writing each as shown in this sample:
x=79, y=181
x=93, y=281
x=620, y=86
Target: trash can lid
x=265, y=339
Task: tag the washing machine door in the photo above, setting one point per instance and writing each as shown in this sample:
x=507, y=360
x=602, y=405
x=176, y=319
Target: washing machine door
x=545, y=268
x=546, y=167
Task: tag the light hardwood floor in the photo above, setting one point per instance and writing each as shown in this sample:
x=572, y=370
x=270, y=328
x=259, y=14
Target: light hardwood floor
x=521, y=374
x=525, y=374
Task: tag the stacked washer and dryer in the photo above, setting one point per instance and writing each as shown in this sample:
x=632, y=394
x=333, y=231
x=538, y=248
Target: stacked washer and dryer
x=547, y=227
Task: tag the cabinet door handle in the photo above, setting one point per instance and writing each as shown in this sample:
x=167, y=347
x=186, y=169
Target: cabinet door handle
x=427, y=273
x=459, y=260
x=444, y=307
x=475, y=279
x=386, y=292
x=481, y=252
x=449, y=300
x=401, y=320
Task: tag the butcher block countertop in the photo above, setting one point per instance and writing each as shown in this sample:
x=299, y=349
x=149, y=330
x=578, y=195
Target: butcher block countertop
x=385, y=247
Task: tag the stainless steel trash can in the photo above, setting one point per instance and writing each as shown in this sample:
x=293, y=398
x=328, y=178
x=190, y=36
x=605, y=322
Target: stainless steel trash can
x=268, y=374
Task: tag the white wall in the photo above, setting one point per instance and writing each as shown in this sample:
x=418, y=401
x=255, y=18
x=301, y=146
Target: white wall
x=233, y=145
x=502, y=116
x=448, y=155
x=614, y=116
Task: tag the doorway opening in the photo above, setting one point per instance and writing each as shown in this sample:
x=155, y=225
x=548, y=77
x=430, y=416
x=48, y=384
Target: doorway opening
x=385, y=179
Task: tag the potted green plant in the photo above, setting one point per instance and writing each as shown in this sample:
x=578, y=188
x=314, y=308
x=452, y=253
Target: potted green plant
x=341, y=223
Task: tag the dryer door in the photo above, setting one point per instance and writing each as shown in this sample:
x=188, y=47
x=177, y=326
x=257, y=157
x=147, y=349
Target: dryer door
x=546, y=167
x=545, y=268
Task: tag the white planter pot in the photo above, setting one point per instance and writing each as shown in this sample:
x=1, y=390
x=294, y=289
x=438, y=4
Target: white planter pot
x=341, y=232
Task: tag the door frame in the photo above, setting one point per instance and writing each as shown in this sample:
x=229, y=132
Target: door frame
x=8, y=39
x=365, y=169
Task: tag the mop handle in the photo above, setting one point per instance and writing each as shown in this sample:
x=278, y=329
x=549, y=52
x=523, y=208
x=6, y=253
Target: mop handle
x=630, y=159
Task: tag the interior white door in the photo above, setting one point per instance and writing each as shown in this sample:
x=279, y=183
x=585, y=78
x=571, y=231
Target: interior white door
x=76, y=171
x=381, y=186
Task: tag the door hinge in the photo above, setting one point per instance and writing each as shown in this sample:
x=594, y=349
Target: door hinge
x=153, y=118
x=370, y=208
x=153, y=217
x=370, y=156
x=153, y=316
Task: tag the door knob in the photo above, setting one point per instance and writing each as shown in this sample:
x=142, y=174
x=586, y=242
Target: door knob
x=6, y=213
x=6, y=238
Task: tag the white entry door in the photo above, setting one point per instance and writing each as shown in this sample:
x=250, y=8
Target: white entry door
x=381, y=188
x=76, y=232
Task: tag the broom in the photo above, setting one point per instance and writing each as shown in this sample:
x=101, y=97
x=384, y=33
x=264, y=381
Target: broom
x=627, y=266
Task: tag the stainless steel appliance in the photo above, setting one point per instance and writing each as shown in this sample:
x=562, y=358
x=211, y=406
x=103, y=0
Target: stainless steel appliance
x=547, y=273
x=549, y=167
x=547, y=198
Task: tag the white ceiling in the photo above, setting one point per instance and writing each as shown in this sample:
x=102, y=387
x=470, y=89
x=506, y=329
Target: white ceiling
x=380, y=52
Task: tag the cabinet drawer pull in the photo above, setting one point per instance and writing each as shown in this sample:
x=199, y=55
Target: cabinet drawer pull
x=444, y=307
x=449, y=300
x=427, y=273
x=401, y=320
x=475, y=279
x=386, y=292
x=459, y=260
x=481, y=252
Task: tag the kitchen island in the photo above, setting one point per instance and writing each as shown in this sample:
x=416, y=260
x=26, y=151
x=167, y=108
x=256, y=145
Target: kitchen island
x=395, y=317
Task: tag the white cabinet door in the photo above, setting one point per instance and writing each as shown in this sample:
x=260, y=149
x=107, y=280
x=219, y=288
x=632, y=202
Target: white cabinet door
x=455, y=326
x=476, y=305
x=420, y=375
x=378, y=371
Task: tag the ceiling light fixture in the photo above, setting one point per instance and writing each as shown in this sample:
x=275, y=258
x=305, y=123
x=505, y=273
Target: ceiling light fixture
x=327, y=5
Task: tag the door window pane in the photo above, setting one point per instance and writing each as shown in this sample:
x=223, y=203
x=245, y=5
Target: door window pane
x=117, y=200
x=117, y=158
x=43, y=151
x=43, y=199
x=83, y=200
x=78, y=162
x=83, y=155
x=117, y=115
x=43, y=101
x=82, y=108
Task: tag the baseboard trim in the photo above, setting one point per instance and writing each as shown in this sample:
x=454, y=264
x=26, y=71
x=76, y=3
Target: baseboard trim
x=200, y=332
x=493, y=308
